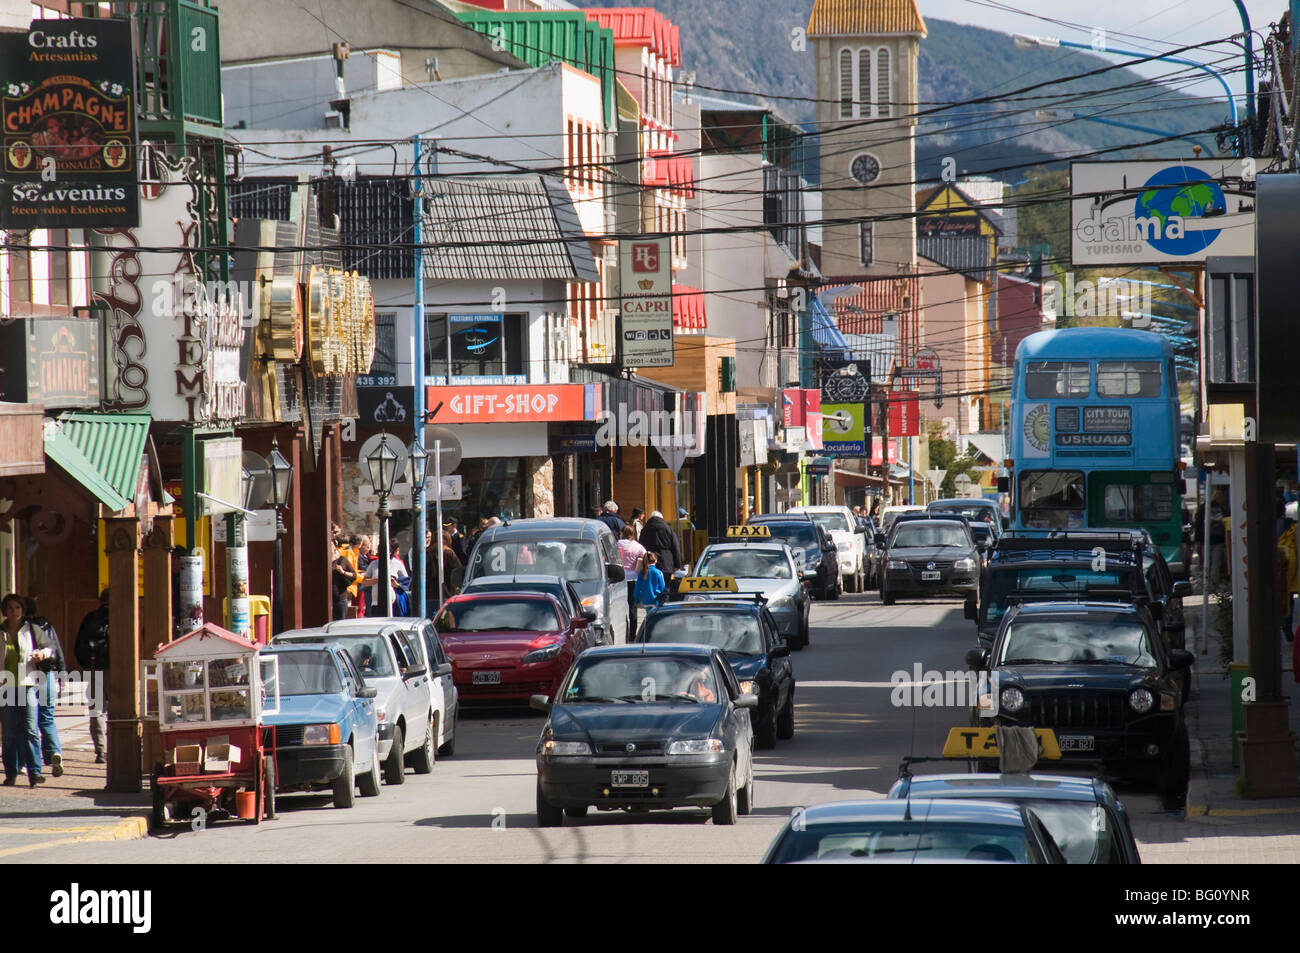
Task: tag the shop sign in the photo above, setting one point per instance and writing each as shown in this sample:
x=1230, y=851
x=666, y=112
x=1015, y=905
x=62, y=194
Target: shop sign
x=63, y=362
x=646, y=276
x=466, y=404
x=340, y=322
x=844, y=429
x=904, y=413
x=222, y=475
x=386, y=406
x=67, y=111
x=574, y=443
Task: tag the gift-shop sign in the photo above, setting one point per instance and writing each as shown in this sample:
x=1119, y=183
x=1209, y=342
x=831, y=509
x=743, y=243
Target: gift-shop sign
x=481, y=405
x=67, y=114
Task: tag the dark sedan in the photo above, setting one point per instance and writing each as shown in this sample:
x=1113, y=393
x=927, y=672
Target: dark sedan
x=931, y=557
x=746, y=633
x=646, y=726
x=812, y=546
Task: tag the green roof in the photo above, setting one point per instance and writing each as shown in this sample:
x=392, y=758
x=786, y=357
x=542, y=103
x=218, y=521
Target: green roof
x=539, y=38
x=102, y=452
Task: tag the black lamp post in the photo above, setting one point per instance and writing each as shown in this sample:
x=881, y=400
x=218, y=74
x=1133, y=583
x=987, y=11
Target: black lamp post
x=419, y=458
x=383, y=463
x=281, y=480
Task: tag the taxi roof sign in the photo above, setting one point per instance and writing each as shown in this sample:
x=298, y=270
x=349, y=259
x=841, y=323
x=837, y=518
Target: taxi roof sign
x=745, y=532
x=970, y=742
x=708, y=584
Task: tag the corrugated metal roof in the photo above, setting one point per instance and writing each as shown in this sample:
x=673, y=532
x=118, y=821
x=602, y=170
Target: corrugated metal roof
x=506, y=227
x=102, y=452
x=869, y=17
x=642, y=26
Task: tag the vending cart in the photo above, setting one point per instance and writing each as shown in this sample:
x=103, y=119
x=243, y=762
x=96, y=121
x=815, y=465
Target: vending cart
x=218, y=761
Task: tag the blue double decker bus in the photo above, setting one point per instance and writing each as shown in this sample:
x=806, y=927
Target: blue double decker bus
x=1094, y=434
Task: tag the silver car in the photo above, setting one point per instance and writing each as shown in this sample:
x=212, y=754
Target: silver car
x=766, y=568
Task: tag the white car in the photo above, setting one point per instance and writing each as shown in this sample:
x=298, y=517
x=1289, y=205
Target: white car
x=888, y=514
x=850, y=546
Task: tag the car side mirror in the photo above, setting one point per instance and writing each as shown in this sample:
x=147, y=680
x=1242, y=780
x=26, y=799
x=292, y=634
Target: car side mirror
x=746, y=701
x=1182, y=589
x=540, y=703
x=615, y=573
x=805, y=575
x=441, y=670
x=1004, y=484
x=415, y=671
x=977, y=659
x=880, y=539
x=1180, y=659
x=590, y=614
x=780, y=651
x=367, y=692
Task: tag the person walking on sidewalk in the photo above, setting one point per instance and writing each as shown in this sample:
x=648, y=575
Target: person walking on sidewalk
x=609, y=516
x=91, y=650
x=659, y=538
x=48, y=696
x=631, y=552
x=25, y=645
x=650, y=583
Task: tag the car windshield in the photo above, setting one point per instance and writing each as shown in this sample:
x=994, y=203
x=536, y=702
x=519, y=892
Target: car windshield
x=486, y=615
x=922, y=533
x=832, y=521
x=1070, y=640
x=793, y=534
x=641, y=679
x=903, y=840
x=484, y=585
x=577, y=560
x=1082, y=830
x=745, y=564
x=370, y=654
x=308, y=673
x=1046, y=581
x=736, y=633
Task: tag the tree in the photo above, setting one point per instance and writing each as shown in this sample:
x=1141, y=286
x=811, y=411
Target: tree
x=944, y=456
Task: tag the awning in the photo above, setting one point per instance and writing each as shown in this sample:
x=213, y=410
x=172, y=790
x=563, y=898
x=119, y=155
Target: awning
x=670, y=171
x=688, y=309
x=102, y=452
x=826, y=333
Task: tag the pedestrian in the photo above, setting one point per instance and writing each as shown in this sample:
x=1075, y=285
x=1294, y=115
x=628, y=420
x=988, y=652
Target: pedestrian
x=398, y=578
x=650, y=583
x=458, y=540
x=350, y=547
x=631, y=552
x=637, y=523
x=91, y=650
x=25, y=646
x=609, y=516
x=453, y=568
x=48, y=696
x=342, y=578
x=659, y=538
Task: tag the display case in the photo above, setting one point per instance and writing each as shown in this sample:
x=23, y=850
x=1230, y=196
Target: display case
x=210, y=679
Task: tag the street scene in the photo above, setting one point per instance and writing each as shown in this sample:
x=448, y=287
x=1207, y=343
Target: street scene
x=532, y=431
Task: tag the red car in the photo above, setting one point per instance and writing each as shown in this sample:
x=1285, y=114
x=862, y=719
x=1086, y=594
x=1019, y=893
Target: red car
x=508, y=646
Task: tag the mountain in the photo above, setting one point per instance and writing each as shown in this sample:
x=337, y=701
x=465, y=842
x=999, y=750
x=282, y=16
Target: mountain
x=732, y=48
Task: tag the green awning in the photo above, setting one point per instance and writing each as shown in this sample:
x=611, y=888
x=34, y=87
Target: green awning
x=102, y=452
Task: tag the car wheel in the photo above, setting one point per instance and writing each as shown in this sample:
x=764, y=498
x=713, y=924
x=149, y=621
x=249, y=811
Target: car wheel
x=345, y=784
x=804, y=634
x=833, y=592
x=724, y=812
x=765, y=734
x=785, y=719
x=395, y=766
x=422, y=760
x=745, y=796
x=852, y=583
x=886, y=597
x=268, y=788
x=576, y=811
x=448, y=748
x=1172, y=783
x=548, y=815
x=369, y=782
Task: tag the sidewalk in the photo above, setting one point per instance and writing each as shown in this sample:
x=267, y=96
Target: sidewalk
x=1221, y=826
x=74, y=807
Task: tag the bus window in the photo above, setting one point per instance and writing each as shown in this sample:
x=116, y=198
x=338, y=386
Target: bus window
x=1153, y=503
x=1056, y=379
x=1128, y=378
x=1051, y=499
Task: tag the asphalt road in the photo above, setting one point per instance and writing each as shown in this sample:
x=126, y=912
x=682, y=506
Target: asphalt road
x=478, y=805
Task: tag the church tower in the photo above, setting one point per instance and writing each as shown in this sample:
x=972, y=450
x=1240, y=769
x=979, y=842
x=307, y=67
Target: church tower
x=867, y=100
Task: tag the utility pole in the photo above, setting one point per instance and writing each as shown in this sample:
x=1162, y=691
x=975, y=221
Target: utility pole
x=417, y=498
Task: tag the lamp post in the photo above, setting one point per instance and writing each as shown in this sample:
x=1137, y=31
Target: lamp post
x=382, y=463
x=281, y=481
x=419, y=458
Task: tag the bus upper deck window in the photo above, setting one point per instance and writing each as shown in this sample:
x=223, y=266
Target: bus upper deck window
x=1128, y=378
x=1056, y=379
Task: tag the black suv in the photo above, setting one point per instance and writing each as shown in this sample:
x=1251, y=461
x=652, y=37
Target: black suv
x=813, y=549
x=1099, y=675
x=929, y=555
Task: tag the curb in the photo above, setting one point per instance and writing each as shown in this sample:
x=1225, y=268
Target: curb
x=128, y=828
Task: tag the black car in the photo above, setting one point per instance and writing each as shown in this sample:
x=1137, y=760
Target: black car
x=813, y=548
x=646, y=726
x=1098, y=674
x=975, y=510
x=930, y=556
x=746, y=634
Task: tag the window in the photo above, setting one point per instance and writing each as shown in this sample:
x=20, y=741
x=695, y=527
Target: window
x=846, y=84
x=570, y=155
x=580, y=170
x=1056, y=379
x=1128, y=379
x=867, y=237
x=884, y=97
x=476, y=346
x=865, y=87
x=1153, y=503
x=864, y=82
x=385, y=360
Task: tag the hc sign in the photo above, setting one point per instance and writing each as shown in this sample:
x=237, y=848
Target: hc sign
x=645, y=257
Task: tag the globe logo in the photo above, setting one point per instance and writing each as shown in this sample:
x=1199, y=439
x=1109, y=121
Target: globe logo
x=1179, y=192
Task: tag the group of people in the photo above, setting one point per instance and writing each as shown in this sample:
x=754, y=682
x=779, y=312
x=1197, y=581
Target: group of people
x=650, y=552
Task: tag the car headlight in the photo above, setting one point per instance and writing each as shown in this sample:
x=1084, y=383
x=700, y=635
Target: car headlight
x=748, y=687
x=964, y=564
x=781, y=602
x=320, y=735
x=543, y=654
x=562, y=749
x=697, y=746
x=1141, y=700
x=898, y=564
x=1012, y=699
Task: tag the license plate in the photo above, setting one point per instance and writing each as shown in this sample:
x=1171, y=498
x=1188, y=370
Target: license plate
x=487, y=678
x=932, y=575
x=1076, y=742
x=629, y=779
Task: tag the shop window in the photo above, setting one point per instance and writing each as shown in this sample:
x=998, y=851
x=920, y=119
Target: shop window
x=491, y=348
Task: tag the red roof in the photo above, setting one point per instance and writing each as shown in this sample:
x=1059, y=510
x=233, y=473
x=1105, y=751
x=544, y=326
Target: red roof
x=670, y=171
x=204, y=632
x=642, y=26
x=688, y=309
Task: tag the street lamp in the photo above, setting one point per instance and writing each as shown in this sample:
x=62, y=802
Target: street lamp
x=382, y=464
x=419, y=458
x=281, y=480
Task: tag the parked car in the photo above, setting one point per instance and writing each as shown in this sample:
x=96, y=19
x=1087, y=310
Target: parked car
x=388, y=655
x=931, y=557
x=1083, y=815
x=870, y=528
x=890, y=513
x=974, y=509
x=646, y=726
x=446, y=697
x=813, y=547
x=840, y=522
x=508, y=646
x=326, y=731
x=746, y=634
x=582, y=551
x=556, y=586
x=912, y=831
x=767, y=569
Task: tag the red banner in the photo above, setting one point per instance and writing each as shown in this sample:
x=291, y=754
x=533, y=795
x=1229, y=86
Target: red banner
x=904, y=413
x=876, y=455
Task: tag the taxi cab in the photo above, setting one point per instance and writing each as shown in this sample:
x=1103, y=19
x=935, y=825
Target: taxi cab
x=746, y=565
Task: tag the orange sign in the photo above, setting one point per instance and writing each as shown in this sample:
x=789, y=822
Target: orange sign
x=477, y=404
